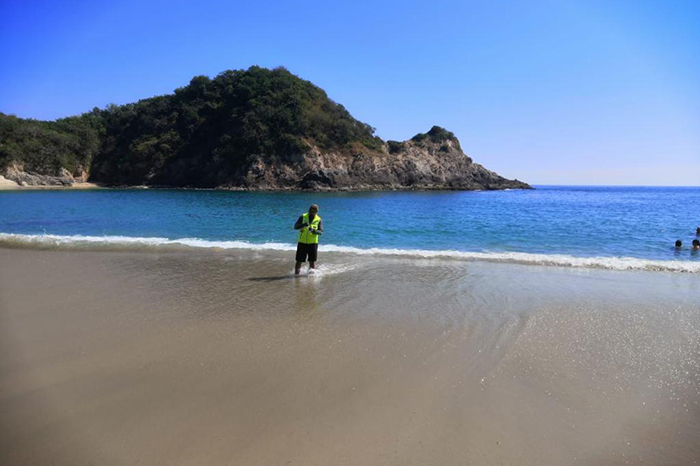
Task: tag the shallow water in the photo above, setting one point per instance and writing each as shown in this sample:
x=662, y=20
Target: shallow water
x=211, y=357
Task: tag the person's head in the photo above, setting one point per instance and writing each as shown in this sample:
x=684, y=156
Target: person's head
x=697, y=231
x=696, y=244
x=313, y=210
x=679, y=244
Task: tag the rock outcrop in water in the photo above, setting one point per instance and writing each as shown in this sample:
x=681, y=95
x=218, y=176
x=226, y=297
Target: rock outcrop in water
x=249, y=130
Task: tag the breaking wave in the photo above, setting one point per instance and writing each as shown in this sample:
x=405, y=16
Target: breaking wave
x=47, y=241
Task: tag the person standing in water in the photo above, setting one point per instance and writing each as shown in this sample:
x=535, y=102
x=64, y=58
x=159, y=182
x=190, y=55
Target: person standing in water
x=311, y=227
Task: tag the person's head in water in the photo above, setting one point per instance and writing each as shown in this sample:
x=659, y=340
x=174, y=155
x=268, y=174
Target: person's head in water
x=697, y=232
x=679, y=244
x=696, y=245
x=313, y=210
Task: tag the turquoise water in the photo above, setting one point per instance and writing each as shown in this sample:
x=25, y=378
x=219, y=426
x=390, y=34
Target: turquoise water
x=579, y=222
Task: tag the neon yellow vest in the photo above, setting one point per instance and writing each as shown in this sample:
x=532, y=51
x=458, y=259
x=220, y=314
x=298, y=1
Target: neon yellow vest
x=305, y=236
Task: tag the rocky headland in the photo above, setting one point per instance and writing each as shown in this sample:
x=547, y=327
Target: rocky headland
x=254, y=129
x=432, y=161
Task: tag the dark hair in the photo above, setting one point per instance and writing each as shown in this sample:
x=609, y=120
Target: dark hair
x=679, y=243
x=696, y=242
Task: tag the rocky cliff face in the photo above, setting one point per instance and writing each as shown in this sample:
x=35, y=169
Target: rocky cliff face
x=431, y=161
x=428, y=162
x=60, y=177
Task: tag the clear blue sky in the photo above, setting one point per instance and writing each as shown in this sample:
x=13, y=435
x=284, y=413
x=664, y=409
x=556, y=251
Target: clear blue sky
x=550, y=92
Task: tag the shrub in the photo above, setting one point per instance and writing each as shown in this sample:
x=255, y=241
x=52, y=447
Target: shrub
x=395, y=147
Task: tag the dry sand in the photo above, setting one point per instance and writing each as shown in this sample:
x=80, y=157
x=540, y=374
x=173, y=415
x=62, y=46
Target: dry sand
x=6, y=184
x=211, y=358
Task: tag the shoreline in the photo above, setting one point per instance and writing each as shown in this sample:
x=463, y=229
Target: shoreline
x=9, y=185
x=218, y=247
x=87, y=185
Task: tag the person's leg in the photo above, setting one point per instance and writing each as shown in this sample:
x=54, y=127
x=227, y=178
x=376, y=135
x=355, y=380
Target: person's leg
x=301, y=258
x=313, y=255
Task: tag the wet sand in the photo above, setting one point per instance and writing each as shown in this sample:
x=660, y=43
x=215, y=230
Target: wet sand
x=221, y=357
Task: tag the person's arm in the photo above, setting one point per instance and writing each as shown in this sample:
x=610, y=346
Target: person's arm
x=319, y=230
x=300, y=223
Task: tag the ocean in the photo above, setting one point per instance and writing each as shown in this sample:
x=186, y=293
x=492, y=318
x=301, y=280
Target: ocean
x=603, y=227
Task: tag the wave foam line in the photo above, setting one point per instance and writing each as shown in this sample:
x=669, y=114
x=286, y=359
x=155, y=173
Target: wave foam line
x=561, y=260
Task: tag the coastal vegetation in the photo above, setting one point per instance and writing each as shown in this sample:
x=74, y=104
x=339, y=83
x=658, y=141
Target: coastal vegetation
x=436, y=135
x=243, y=128
x=48, y=146
x=202, y=131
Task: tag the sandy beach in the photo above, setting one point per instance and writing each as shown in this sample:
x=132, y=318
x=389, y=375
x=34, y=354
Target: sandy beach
x=9, y=185
x=504, y=198
x=216, y=357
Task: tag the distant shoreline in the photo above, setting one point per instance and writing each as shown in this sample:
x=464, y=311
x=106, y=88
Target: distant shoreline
x=9, y=185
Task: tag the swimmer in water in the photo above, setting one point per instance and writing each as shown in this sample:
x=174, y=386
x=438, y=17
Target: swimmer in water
x=679, y=244
x=696, y=245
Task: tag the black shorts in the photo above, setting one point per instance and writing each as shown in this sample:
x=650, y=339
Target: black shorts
x=304, y=250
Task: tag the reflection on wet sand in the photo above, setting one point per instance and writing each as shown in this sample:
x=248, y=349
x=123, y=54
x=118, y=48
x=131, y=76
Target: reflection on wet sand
x=226, y=358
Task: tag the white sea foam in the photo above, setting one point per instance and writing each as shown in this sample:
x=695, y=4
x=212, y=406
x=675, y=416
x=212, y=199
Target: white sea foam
x=561, y=260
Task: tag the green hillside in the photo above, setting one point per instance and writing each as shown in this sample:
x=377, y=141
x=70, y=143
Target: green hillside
x=204, y=134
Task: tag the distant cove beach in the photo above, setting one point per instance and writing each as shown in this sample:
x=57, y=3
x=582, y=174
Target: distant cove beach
x=6, y=184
